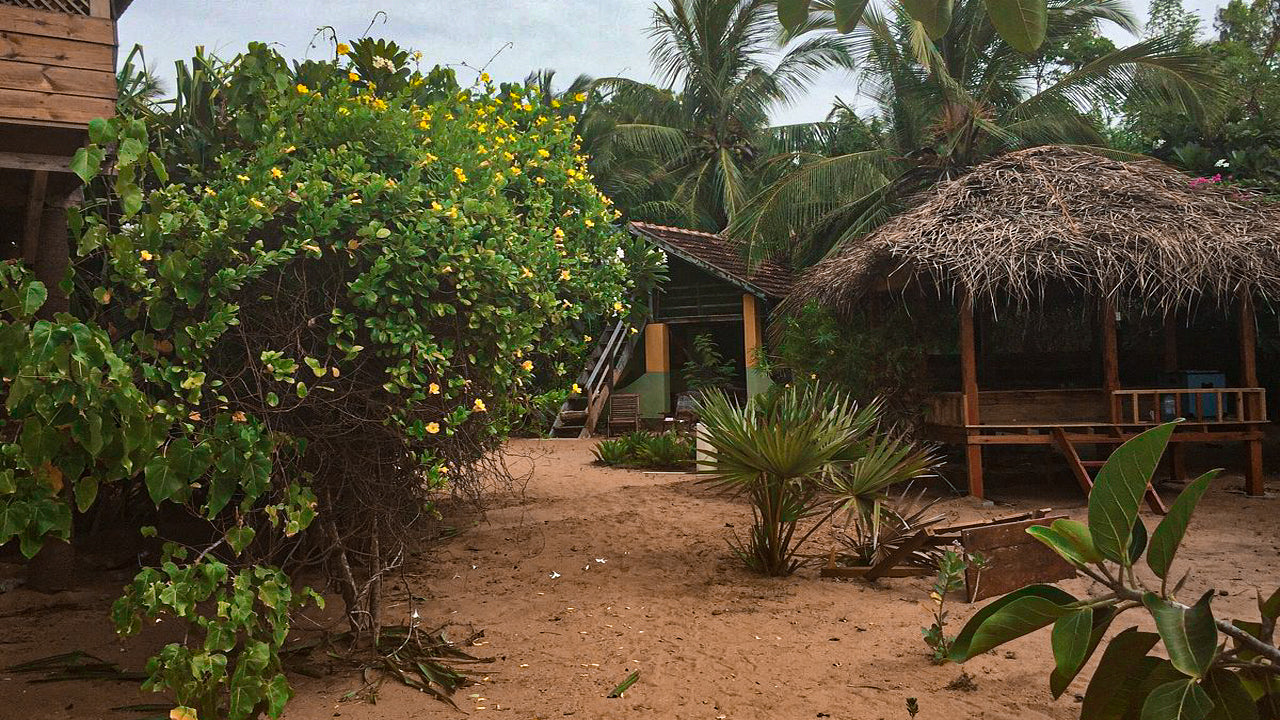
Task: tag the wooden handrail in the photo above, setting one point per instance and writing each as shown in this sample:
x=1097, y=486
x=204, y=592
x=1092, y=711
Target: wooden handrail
x=1250, y=404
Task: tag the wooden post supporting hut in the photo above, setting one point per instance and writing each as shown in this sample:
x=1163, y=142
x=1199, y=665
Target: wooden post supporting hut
x=1068, y=236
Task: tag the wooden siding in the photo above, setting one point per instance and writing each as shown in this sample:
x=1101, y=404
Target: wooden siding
x=55, y=68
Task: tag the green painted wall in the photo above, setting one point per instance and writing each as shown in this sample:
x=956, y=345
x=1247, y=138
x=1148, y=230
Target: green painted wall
x=654, y=389
x=757, y=381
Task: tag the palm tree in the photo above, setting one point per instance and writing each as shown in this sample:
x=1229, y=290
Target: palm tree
x=691, y=150
x=137, y=86
x=949, y=104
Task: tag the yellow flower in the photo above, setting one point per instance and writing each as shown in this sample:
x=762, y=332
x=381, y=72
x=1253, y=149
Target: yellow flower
x=210, y=191
x=256, y=203
x=303, y=89
x=527, y=365
x=436, y=206
x=559, y=234
x=242, y=178
x=580, y=97
x=542, y=152
x=344, y=110
x=540, y=180
x=290, y=149
x=479, y=405
x=433, y=427
x=484, y=77
x=424, y=125
x=343, y=49
x=515, y=170
x=555, y=103
x=617, y=306
x=589, y=222
x=634, y=331
x=526, y=107
x=564, y=274
x=526, y=273
x=277, y=173
x=576, y=389
x=434, y=389
x=353, y=76
x=417, y=54
x=586, y=338
x=462, y=176
x=145, y=255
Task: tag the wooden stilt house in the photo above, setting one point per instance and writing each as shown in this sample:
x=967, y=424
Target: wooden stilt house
x=1129, y=287
x=57, y=73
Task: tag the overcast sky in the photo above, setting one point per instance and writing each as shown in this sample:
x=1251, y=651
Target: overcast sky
x=598, y=37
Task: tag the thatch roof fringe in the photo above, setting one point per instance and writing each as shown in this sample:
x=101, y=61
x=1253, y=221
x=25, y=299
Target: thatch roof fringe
x=1140, y=231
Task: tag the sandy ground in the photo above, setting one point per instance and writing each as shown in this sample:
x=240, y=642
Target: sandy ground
x=594, y=573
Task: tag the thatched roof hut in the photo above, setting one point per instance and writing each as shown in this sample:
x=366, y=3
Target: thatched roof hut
x=1053, y=215
x=1057, y=227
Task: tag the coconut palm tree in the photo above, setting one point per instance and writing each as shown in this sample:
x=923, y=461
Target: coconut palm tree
x=691, y=150
x=949, y=104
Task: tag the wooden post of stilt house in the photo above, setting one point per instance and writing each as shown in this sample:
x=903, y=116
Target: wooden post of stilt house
x=1253, y=480
x=969, y=390
x=1169, y=364
x=1110, y=357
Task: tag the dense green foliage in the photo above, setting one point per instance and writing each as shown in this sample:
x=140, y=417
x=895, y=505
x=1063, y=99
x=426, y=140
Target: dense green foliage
x=325, y=298
x=706, y=367
x=1240, y=140
x=1200, y=677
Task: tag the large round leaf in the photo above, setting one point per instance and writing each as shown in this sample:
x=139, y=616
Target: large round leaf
x=1022, y=23
x=934, y=15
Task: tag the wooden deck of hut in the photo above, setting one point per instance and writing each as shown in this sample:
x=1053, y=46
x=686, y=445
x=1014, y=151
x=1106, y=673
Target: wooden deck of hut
x=1053, y=225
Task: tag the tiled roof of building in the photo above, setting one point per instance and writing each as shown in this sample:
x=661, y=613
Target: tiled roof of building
x=717, y=255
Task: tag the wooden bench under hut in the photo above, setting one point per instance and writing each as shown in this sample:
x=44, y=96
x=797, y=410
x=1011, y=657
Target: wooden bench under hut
x=1091, y=298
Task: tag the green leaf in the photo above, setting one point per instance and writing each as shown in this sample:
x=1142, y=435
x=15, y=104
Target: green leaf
x=848, y=14
x=1118, y=675
x=1022, y=23
x=278, y=694
x=1270, y=608
x=934, y=15
x=162, y=482
x=1168, y=535
x=7, y=485
x=1012, y=616
x=129, y=151
x=86, y=492
x=792, y=13
x=1137, y=540
x=1189, y=634
x=34, y=297
x=1121, y=483
x=1061, y=677
x=1070, y=642
x=1177, y=700
x=239, y=538
x=101, y=131
x=1231, y=701
x=1068, y=538
x=87, y=162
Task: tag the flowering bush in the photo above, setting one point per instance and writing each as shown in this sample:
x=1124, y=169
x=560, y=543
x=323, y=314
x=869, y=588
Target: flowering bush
x=316, y=293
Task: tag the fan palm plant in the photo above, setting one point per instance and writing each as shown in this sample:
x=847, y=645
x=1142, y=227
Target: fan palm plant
x=796, y=454
x=689, y=151
x=950, y=103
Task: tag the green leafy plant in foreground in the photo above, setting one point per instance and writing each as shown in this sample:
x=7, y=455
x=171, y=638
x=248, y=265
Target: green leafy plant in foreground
x=1203, y=676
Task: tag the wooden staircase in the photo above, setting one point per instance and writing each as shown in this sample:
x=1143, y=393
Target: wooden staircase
x=1083, y=470
x=578, y=415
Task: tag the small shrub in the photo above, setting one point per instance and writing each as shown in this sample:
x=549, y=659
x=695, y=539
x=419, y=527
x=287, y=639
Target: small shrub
x=654, y=451
x=793, y=454
x=952, y=565
x=706, y=367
